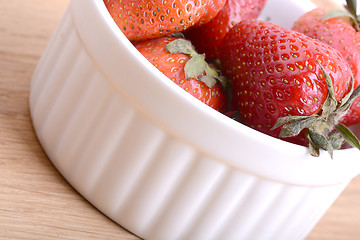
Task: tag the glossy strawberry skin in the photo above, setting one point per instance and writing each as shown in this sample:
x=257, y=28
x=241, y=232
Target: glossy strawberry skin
x=341, y=35
x=172, y=66
x=144, y=19
x=207, y=37
x=353, y=115
x=275, y=73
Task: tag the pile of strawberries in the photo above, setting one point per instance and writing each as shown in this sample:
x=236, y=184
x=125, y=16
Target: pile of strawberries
x=300, y=84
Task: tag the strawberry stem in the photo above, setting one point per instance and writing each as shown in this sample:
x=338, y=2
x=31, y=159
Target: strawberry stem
x=348, y=136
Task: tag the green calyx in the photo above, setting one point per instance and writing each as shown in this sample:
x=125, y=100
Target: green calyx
x=351, y=6
x=323, y=130
x=197, y=64
x=351, y=13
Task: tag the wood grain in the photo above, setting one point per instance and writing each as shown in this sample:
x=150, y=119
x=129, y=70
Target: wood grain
x=35, y=201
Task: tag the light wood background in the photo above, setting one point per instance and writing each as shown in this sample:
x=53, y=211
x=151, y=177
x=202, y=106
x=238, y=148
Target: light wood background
x=35, y=201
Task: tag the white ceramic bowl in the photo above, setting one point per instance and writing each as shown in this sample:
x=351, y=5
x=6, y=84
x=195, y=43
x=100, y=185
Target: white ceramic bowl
x=159, y=162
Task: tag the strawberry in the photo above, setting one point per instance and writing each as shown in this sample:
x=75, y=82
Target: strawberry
x=353, y=115
x=340, y=30
x=288, y=85
x=207, y=37
x=143, y=19
x=176, y=59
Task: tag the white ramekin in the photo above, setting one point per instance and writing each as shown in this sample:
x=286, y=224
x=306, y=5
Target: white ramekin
x=159, y=162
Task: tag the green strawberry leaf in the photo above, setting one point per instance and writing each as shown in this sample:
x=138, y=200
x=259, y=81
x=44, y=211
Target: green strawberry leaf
x=336, y=13
x=210, y=71
x=209, y=81
x=223, y=81
x=178, y=35
x=345, y=99
x=321, y=141
x=313, y=149
x=351, y=6
x=295, y=126
x=336, y=140
x=181, y=45
x=355, y=94
x=330, y=103
x=320, y=127
x=195, y=66
x=348, y=136
x=283, y=120
x=349, y=101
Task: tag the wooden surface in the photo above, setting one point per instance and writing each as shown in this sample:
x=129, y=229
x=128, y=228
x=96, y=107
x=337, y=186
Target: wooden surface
x=35, y=201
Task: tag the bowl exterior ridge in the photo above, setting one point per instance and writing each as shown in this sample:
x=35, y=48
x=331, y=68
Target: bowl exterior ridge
x=145, y=177
x=146, y=88
x=126, y=183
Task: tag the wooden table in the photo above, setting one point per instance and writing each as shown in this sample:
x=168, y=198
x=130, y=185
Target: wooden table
x=35, y=201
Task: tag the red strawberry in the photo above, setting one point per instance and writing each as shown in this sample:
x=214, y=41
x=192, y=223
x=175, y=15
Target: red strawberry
x=284, y=78
x=143, y=19
x=337, y=29
x=207, y=38
x=353, y=115
x=188, y=70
